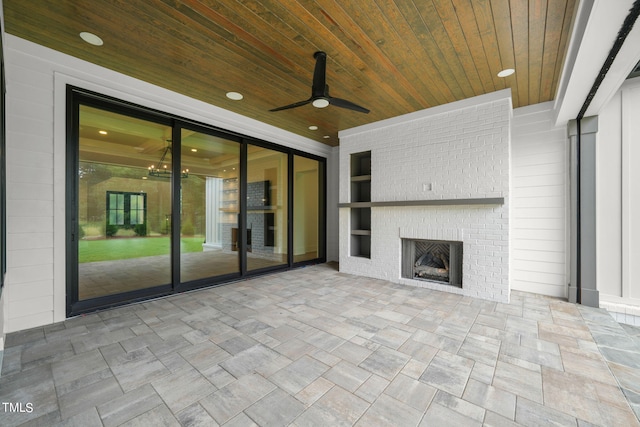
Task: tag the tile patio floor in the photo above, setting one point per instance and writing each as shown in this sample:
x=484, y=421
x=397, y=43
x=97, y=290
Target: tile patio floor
x=314, y=347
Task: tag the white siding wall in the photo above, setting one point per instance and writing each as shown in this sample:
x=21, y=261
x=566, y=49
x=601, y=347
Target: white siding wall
x=34, y=292
x=618, y=204
x=29, y=299
x=609, y=199
x=2, y=294
x=539, y=200
x=631, y=190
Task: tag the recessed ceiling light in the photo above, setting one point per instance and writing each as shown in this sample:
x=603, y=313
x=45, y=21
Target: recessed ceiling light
x=195, y=150
x=91, y=38
x=144, y=177
x=326, y=137
x=102, y=132
x=320, y=103
x=234, y=96
x=313, y=127
x=506, y=72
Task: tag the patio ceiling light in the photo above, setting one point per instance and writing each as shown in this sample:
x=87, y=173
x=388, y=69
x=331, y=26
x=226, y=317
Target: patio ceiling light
x=91, y=38
x=235, y=96
x=506, y=72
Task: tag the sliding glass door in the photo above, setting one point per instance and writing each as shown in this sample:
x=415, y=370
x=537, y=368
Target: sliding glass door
x=123, y=212
x=307, y=208
x=267, y=201
x=157, y=205
x=209, y=206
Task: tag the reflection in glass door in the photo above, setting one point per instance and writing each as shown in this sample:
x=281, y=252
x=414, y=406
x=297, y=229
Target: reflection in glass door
x=123, y=204
x=307, y=176
x=156, y=205
x=267, y=202
x=209, y=206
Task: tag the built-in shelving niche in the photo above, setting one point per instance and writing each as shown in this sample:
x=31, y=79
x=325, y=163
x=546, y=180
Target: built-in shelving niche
x=361, y=216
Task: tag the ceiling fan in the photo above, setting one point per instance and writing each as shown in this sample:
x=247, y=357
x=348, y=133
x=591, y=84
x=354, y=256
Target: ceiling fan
x=320, y=97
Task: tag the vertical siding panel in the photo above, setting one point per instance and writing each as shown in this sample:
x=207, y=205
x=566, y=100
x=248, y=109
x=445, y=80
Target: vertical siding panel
x=539, y=197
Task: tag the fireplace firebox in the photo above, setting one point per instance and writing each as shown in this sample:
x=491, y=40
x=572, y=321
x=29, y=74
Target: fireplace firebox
x=432, y=260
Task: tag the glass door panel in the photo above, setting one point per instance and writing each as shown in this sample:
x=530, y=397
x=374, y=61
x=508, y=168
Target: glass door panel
x=306, y=209
x=266, y=208
x=209, y=206
x=124, y=204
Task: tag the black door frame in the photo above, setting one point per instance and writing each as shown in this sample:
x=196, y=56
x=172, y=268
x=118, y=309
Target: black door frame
x=77, y=96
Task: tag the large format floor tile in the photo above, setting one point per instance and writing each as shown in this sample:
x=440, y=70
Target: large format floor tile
x=314, y=347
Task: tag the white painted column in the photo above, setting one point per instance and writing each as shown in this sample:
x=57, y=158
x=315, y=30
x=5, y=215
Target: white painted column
x=213, y=194
x=583, y=286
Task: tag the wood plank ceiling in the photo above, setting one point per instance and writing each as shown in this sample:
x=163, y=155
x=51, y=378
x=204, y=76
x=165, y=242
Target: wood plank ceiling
x=392, y=57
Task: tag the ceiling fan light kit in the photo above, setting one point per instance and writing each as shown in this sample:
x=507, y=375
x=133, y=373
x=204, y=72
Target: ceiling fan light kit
x=320, y=97
x=320, y=103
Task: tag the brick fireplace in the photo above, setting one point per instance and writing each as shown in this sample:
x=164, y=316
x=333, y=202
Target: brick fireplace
x=443, y=175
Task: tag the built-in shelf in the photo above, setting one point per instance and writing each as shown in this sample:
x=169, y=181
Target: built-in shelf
x=361, y=232
x=435, y=202
x=355, y=205
x=262, y=208
x=360, y=205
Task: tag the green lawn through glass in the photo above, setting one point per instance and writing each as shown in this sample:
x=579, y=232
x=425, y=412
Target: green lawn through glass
x=134, y=247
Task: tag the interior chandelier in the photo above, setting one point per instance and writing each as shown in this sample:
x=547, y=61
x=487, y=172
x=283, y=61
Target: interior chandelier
x=161, y=171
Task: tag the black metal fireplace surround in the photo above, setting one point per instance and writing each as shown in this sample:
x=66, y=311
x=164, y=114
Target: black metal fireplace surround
x=432, y=260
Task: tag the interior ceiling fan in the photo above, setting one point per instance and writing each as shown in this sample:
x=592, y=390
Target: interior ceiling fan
x=320, y=97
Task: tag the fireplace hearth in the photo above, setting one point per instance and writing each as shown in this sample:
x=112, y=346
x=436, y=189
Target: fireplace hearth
x=432, y=260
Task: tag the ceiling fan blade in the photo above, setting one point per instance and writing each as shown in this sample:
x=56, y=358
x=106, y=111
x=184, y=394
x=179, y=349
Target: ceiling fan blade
x=294, y=105
x=319, y=75
x=320, y=90
x=343, y=103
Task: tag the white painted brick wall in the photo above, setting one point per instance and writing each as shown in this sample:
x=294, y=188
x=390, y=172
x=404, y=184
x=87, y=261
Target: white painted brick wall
x=333, y=184
x=462, y=151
